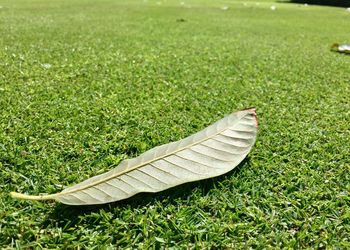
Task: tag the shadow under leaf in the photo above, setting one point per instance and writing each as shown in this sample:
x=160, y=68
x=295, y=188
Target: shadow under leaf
x=65, y=215
x=335, y=3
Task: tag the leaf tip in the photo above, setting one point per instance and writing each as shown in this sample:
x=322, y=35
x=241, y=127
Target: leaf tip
x=252, y=110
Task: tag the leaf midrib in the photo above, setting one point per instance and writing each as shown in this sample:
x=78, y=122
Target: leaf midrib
x=143, y=164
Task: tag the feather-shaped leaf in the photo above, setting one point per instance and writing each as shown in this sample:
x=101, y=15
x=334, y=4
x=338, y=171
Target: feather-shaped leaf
x=211, y=152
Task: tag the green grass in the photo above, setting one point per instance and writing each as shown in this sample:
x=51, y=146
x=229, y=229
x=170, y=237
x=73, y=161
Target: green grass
x=85, y=84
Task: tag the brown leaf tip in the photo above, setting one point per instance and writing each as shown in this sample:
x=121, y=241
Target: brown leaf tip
x=252, y=110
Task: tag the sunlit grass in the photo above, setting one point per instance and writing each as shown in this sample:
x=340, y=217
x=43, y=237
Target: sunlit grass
x=85, y=84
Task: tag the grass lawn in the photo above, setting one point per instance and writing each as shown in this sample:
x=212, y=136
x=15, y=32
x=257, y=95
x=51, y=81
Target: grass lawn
x=85, y=84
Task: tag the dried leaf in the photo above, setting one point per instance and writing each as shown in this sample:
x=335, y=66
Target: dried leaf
x=342, y=48
x=211, y=152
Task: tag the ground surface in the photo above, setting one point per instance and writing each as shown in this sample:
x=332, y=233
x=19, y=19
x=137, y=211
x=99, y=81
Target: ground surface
x=85, y=84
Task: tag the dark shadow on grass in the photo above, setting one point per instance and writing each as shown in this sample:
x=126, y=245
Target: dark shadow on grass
x=334, y=3
x=65, y=214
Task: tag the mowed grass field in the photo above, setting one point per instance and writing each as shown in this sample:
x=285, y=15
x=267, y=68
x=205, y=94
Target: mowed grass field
x=85, y=84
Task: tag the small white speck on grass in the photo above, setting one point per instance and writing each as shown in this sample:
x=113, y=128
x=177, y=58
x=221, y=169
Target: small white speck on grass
x=348, y=9
x=305, y=4
x=182, y=3
x=273, y=7
x=225, y=8
x=46, y=65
